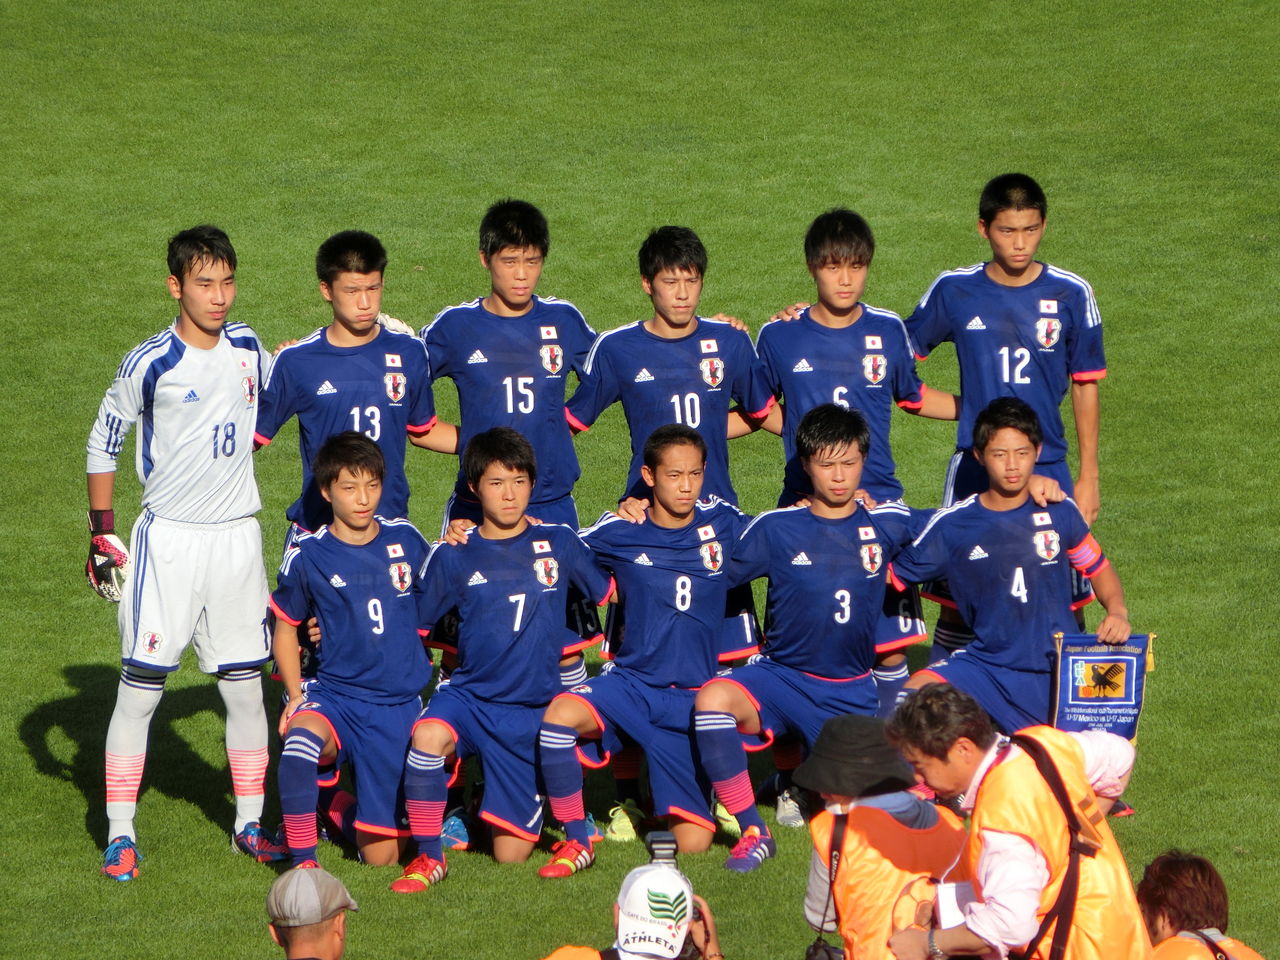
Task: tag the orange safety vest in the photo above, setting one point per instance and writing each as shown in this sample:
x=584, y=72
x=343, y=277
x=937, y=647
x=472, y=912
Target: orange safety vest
x=575, y=953
x=880, y=857
x=1014, y=798
x=1192, y=948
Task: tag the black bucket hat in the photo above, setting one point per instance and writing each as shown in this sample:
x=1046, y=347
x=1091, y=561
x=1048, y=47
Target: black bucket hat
x=852, y=758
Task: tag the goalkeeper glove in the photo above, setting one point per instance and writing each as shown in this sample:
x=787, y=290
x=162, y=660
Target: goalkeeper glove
x=108, y=561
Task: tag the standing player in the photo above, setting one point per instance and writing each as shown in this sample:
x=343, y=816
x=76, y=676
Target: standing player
x=1009, y=562
x=1021, y=328
x=196, y=572
x=840, y=350
x=672, y=571
x=351, y=375
x=359, y=577
x=508, y=582
x=826, y=565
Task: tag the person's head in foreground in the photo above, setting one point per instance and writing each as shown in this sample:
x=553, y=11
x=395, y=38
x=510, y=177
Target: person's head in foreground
x=943, y=734
x=308, y=911
x=1180, y=891
x=850, y=760
x=657, y=914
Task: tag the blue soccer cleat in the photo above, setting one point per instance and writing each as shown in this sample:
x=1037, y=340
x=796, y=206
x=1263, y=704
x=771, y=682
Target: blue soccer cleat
x=751, y=851
x=120, y=862
x=259, y=844
x=454, y=833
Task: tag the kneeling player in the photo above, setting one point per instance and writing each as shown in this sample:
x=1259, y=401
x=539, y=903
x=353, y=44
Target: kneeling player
x=509, y=582
x=1009, y=561
x=826, y=565
x=359, y=577
x=673, y=572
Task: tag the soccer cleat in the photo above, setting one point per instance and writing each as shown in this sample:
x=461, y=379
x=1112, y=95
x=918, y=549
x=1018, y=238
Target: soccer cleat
x=1121, y=809
x=594, y=833
x=259, y=844
x=624, y=817
x=454, y=833
x=726, y=822
x=307, y=865
x=567, y=858
x=421, y=873
x=120, y=862
x=752, y=850
x=790, y=812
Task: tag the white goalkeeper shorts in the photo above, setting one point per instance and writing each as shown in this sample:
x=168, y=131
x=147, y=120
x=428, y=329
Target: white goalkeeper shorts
x=200, y=583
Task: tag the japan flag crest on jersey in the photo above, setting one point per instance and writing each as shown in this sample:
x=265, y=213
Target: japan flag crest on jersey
x=395, y=386
x=712, y=555
x=552, y=356
x=872, y=557
x=1048, y=330
x=874, y=367
x=250, y=387
x=547, y=570
x=401, y=576
x=712, y=371
x=1047, y=543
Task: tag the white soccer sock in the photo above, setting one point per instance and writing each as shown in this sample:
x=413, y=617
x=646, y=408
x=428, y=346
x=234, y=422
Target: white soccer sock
x=246, y=740
x=136, y=700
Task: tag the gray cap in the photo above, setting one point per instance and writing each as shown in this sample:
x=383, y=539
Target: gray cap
x=303, y=896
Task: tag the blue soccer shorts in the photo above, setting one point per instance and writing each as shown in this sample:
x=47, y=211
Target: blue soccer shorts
x=1014, y=698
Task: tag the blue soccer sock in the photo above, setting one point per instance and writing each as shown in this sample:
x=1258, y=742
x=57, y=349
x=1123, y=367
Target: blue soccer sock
x=299, y=792
x=426, y=792
x=948, y=638
x=573, y=673
x=889, y=681
x=562, y=773
x=725, y=761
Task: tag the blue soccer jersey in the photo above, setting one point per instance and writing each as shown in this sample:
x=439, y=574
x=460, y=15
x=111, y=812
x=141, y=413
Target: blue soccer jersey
x=510, y=596
x=692, y=380
x=867, y=366
x=1010, y=573
x=1029, y=342
x=672, y=582
x=381, y=389
x=366, y=599
x=827, y=582
x=511, y=372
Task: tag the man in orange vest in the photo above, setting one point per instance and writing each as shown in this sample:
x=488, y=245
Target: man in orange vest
x=891, y=837
x=1045, y=866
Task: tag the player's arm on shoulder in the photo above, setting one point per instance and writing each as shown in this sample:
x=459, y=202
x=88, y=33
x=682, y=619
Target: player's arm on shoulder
x=1045, y=490
x=935, y=405
x=442, y=438
x=792, y=312
x=1086, y=408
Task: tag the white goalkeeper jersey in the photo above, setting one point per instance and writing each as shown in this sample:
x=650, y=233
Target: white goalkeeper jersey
x=196, y=410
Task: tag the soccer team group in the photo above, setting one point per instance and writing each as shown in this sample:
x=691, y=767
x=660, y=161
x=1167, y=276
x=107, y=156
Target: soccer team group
x=510, y=595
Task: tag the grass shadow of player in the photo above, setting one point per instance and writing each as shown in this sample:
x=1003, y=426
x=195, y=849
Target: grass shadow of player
x=173, y=768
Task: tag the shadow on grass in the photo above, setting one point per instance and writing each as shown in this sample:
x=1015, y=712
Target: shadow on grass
x=173, y=767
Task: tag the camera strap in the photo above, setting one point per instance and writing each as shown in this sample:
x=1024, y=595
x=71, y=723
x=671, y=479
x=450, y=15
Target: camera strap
x=839, y=824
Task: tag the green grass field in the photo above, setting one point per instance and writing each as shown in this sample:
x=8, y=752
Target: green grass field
x=1151, y=126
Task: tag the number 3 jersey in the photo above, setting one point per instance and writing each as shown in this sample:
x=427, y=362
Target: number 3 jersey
x=366, y=598
x=195, y=411
x=1010, y=573
x=381, y=389
x=1028, y=342
x=672, y=581
x=510, y=596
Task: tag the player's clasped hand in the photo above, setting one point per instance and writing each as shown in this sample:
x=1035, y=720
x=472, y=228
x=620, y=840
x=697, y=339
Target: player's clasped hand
x=108, y=561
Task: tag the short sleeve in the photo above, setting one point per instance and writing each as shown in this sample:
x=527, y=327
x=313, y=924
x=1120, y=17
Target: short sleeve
x=436, y=598
x=422, y=404
x=751, y=386
x=440, y=353
x=289, y=600
x=596, y=391
x=275, y=405
x=1085, y=359
x=928, y=324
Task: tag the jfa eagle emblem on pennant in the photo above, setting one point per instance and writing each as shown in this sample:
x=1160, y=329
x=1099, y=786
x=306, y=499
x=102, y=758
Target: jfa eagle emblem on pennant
x=712, y=555
x=1047, y=543
x=552, y=355
x=547, y=570
x=872, y=557
x=396, y=383
x=874, y=367
x=712, y=371
x=250, y=387
x=1048, y=330
x=401, y=576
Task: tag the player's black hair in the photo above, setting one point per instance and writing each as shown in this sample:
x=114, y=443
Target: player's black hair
x=839, y=236
x=1011, y=191
x=351, y=451
x=934, y=717
x=1005, y=412
x=351, y=251
x=672, y=435
x=672, y=248
x=513, y=223
x=829, y=426
x=202, y=244
x=504, y=445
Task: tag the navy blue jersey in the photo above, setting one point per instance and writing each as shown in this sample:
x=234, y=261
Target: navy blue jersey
x=510, y=596
x=1010, y=573
x=672, y=582
x=511, y=372
x=381, y=389
x=692, y=380
x=867, y=366
x=366, y=599
x=1029, y=342
x=826, y=583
